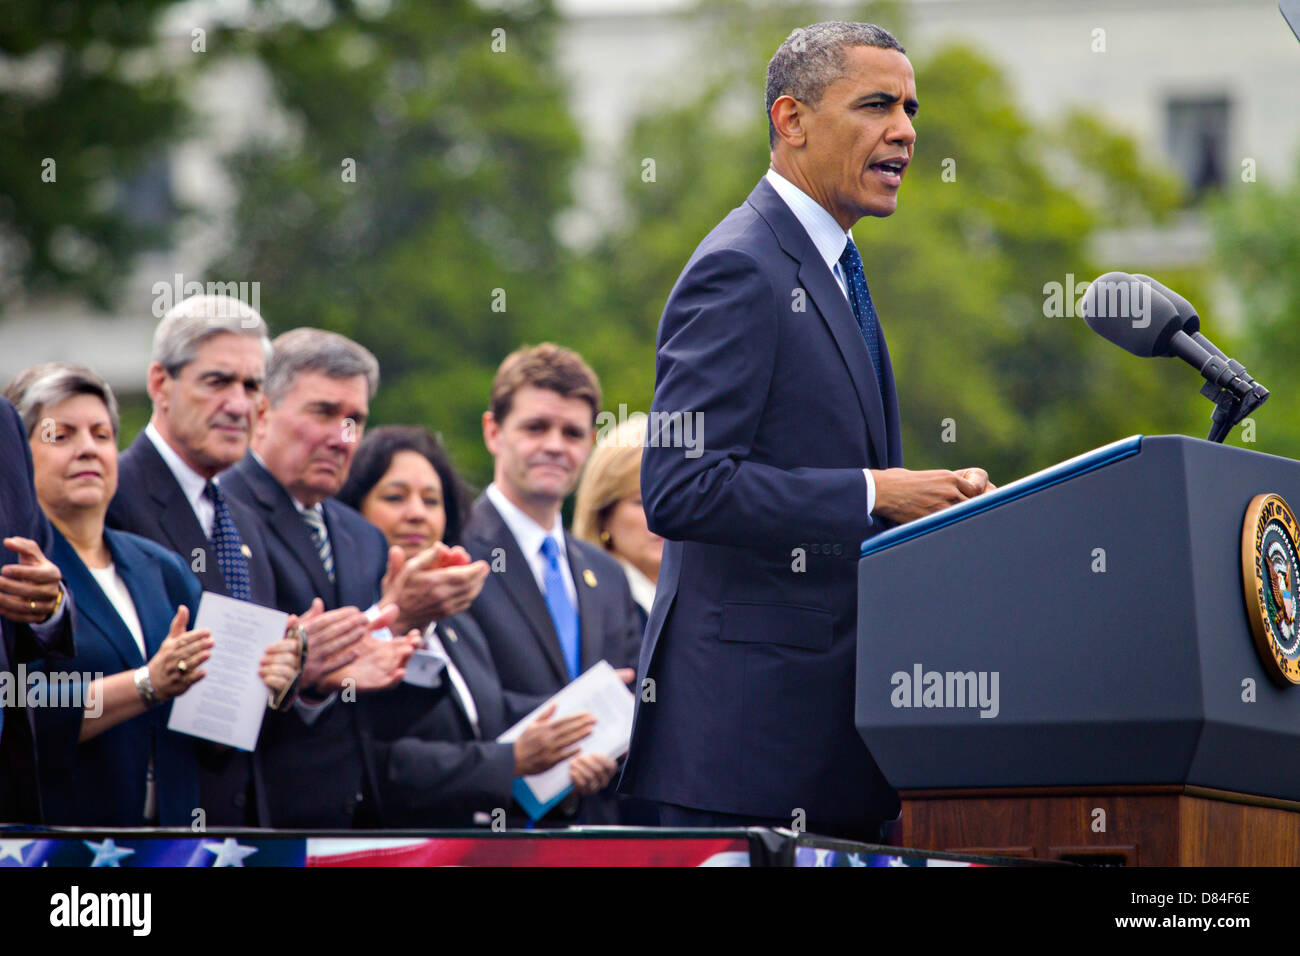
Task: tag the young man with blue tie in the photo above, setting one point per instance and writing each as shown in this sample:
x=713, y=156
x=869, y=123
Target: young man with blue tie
x=553, y=605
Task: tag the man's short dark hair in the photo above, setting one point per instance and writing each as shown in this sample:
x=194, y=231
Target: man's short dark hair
x=812, y=58
x=547, y=366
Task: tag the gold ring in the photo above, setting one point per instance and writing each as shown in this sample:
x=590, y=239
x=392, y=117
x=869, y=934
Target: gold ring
x=32, y=605
x=181, y=666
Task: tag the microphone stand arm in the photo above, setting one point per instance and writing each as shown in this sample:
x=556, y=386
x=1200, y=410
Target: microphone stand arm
x=1231, y=408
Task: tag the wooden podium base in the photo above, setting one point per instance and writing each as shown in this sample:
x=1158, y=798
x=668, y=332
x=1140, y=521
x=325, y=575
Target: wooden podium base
x=1116, y=826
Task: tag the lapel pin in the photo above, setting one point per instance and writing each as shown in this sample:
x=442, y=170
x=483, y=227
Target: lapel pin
x=246, y=551
x=451, y=635
x=589, y=577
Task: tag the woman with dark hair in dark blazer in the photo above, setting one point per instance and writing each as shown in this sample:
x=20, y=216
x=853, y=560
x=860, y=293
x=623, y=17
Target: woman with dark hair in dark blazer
x=438, y=762
x=110, y=760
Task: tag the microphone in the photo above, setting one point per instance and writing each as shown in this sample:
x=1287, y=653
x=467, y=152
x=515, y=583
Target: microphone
x=1134, y=316
x=1139, y=314
x=1192, y=323
x=1141, y=319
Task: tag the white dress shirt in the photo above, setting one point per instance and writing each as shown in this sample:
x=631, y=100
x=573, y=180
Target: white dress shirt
x=829, y=240
x=529, y=536
x=114, y=588
x=191, y=482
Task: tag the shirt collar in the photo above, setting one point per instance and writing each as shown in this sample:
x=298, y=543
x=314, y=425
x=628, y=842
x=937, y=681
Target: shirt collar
x=191, y=482
x=528, y=533
x=822, y=229
x=318, y=507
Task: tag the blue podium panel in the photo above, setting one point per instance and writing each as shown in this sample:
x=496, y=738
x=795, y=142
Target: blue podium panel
x=1084, y=626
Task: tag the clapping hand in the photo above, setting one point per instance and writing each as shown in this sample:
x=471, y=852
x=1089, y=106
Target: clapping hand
x=435, y=584
x=380, y=665
x=178, y=664
x=334, y=638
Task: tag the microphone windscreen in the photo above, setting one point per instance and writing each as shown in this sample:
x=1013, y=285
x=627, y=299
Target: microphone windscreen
x=1131, y=314
x=1186, y=311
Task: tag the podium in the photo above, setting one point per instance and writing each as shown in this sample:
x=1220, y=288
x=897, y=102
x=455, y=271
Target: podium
x=1065, y=669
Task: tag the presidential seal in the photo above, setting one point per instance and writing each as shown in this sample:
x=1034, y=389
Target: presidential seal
x=1270, y=572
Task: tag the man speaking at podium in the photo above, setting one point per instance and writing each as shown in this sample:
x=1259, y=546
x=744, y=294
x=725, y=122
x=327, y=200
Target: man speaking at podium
x=770, y=347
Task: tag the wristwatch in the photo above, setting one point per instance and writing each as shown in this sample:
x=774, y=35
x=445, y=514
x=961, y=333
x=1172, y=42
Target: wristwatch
x=144, y=687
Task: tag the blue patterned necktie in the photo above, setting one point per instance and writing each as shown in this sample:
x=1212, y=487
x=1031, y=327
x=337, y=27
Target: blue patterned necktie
x=860, y=298
x=563, y=614
x=316, y=525
x=229, y=546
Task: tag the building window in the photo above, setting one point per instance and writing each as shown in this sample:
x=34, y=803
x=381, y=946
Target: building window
x=1197, y=139
x=146, y=196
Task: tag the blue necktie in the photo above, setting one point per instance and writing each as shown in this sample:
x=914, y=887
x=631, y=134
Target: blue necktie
x=563, y=614
x=860, y=298
x=229, y=546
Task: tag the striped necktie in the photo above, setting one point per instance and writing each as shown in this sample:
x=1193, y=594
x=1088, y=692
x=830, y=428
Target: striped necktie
x=319, y=537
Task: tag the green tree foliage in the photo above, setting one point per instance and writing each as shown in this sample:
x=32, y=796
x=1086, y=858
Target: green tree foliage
x=1257, y=228
x=87, y=102
x=960, y=273
x=413, y=208
x=407, y=188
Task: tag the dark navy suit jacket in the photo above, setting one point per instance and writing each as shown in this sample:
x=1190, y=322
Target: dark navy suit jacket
x=511, y=610
x=434, y=770
x=21, y=516
x=317, y=775
x=751, y=639
x=149, y=502
x=101, y=782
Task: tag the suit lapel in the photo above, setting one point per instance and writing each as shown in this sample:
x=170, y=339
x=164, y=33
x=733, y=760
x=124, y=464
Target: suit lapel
x=93, y=604
x=520, y=584
x=148, y=590
x=456, y=641
x=456, y=654
x=350, y=577
x=590, y=630
x=176, y=519
x=287, y=524
x=834, y=309
x=838, y=315
x=891, y=407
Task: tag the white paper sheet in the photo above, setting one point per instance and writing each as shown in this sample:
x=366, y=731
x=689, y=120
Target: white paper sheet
x=600, y=693
x=228, y=705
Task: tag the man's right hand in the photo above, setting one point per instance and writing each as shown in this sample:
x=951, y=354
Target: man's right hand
x=545, y=742
x=334, y=638
x=435, y=584
x=903, y=495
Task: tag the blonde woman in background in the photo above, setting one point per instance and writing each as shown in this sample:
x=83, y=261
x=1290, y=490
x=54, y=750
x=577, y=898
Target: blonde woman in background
x=608, y=511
